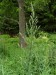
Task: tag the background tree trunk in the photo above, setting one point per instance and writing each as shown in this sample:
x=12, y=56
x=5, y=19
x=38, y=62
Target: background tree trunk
x=21, y=23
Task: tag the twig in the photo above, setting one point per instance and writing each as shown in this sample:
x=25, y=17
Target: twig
x=10, y=19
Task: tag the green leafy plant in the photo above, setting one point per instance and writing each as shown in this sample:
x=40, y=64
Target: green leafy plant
x=31, y=27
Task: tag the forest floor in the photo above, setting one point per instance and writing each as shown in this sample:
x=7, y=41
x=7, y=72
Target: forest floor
x=38, y=58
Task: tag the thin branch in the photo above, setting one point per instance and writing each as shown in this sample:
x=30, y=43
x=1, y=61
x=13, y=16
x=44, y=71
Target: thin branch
x=10, y=19
x=4, y=23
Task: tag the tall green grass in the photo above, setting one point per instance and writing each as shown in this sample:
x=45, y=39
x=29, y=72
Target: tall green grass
x=38, y=58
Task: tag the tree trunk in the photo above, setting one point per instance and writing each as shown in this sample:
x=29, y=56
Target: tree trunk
x=21, y=23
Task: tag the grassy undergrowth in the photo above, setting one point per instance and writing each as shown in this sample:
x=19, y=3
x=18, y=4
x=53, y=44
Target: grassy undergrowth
x=38, y=58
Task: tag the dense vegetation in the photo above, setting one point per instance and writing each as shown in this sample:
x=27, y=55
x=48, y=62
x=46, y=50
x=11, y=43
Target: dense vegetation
x=28, y=48
x=39, y=58
x=45, y=11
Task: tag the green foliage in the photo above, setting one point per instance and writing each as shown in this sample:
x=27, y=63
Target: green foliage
x=40, y=4
x=8, y=17
x=32, y=28
x=45, y=11
x=38, y=58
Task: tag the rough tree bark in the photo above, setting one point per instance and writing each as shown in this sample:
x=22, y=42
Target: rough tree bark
x=21, y=23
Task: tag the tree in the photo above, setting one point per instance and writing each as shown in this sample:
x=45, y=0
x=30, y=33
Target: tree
x=9, y=17
x=21, y=23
